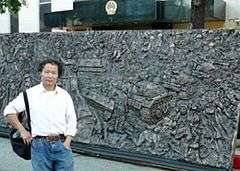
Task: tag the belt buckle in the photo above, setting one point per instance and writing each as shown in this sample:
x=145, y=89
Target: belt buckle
x=53, y=137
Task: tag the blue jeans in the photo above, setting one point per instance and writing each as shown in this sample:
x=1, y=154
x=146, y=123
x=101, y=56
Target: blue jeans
x=51, y=156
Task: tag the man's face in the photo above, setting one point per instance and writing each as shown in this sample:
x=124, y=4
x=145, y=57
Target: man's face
x=49, y=75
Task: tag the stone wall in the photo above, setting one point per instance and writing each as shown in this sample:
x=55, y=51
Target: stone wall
x=170, y=94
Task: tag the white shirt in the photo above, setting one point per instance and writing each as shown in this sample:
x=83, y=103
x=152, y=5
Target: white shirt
x=51, y=112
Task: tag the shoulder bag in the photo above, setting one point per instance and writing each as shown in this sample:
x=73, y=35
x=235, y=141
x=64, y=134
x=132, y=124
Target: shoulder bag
x=18, y=146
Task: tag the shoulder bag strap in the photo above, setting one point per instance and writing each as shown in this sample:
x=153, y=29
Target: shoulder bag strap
x=27, y=110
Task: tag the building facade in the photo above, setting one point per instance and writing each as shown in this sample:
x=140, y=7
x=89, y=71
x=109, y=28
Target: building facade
x=92, y=15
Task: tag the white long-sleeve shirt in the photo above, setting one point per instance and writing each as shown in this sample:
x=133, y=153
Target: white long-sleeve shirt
x=51, y=112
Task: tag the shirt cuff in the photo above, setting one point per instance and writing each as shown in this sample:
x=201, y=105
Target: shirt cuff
x=9, y=110
x=71, y=132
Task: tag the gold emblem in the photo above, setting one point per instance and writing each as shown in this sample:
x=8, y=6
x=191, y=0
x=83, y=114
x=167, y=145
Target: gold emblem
x=111, y=7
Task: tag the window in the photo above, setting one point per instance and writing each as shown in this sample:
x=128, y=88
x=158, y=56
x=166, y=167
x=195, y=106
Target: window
x=14, y=23
x=45, y=1
x=45, y=7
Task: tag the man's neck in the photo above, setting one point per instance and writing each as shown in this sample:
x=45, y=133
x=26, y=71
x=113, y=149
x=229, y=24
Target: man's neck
x=49, y=88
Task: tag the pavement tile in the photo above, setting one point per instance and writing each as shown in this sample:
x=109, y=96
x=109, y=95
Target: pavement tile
x=9, y=161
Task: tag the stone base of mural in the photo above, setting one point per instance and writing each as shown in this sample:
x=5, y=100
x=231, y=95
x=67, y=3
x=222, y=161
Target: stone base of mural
x=164, y=94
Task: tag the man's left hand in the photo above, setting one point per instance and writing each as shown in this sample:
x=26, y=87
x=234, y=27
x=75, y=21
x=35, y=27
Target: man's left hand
x=67, y=142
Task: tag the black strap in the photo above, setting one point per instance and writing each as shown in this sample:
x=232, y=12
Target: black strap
x=27, y=110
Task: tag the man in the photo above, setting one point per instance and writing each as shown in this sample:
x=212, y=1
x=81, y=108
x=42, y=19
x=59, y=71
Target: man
x=53, y=120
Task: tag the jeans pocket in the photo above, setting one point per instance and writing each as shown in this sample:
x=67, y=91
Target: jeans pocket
x=68, y=149
x=37, y=145
x=34, y=145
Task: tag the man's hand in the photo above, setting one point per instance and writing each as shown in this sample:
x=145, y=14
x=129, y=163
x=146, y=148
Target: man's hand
x=67, y=142
x=12, y=118
x=26, y=136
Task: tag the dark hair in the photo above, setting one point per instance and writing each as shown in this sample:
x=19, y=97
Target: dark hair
x=53, y=62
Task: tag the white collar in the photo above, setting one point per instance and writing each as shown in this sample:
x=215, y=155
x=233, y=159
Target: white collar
x=42, y=89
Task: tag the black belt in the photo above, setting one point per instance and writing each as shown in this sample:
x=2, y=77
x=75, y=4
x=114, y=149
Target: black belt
x=52, y=137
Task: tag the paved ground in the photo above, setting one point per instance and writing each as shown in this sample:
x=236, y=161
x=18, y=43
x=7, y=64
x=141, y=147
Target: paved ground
x=10, y=162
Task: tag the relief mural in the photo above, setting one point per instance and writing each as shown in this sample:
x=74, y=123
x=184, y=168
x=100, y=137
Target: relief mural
x=171, y=94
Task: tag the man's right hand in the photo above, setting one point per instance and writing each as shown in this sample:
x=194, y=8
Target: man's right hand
x=26, y=136
x=12, y=118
